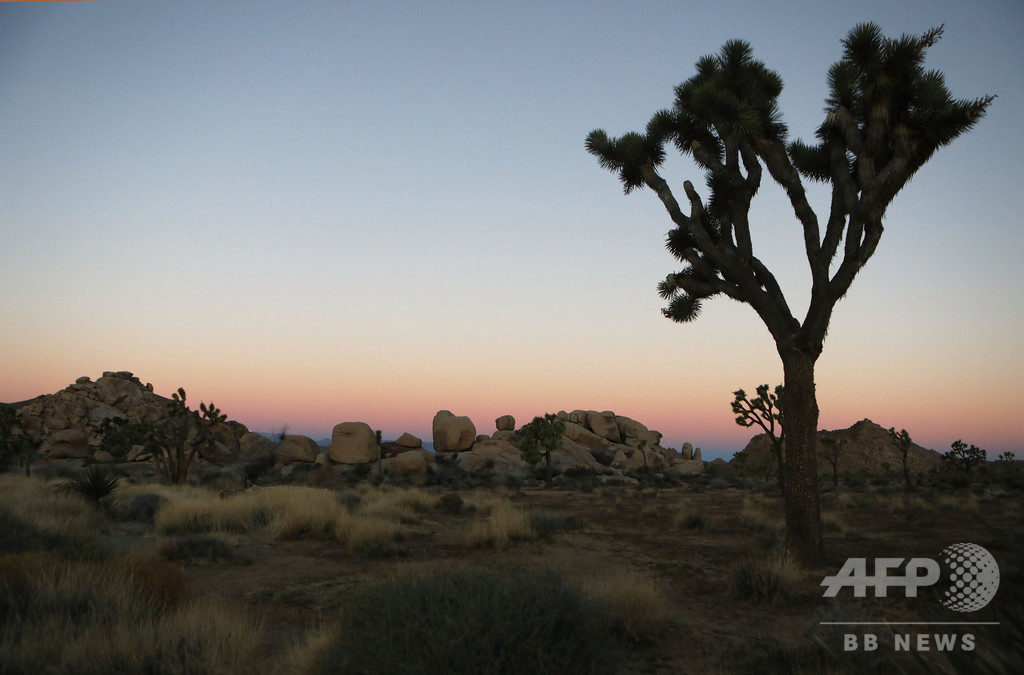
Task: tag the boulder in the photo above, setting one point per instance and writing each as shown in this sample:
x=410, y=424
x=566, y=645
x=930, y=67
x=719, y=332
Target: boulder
x=103, y=457
x=505, y=423
x=296, y=448
x=451, y=433
x=687, y=451
x=686, y=467
x=572, y=455
x=409, y=441
x=353, y=443
x=138, y=453
x=498, y=456
x=411, y=463
x=634, y=433
x=603, y=424
x=587, y=439
x=67, y=444
x=254, y=446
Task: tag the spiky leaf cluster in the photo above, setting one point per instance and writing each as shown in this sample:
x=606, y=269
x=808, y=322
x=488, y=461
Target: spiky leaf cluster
x=885, y=113
x=719, y=116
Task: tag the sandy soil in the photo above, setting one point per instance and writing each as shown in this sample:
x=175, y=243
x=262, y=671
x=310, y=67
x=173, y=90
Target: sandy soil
x=295, y=586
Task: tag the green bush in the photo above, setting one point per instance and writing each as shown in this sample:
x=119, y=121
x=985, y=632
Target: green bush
x=472, y=622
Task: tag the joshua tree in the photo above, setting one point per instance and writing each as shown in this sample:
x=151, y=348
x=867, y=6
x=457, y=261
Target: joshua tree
x=179, y=438
x=539, y=439
x=885, y=116
x=833, y=448
x=903, y=442
x=963, y=457
x=766, y=412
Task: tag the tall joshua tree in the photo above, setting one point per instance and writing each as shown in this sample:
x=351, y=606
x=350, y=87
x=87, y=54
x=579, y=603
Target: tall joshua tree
x=884, y=117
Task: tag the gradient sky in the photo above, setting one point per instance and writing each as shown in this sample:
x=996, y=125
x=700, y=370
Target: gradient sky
x=317, y=212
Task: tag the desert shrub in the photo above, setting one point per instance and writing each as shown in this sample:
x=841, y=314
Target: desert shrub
x=499, y=525
x=360, y=534
x=95, y=484
x=350, y=499
x=141, y=508
x=124, y=615
x=200, y=548
x=771, y=577
x=718, y=484
x=756, y=517
x=450, y=503
x=833, y=521
x=18, y=535
x=546, y=525
x=509, y=623
x=688, y=518
x=635, y=603
x=33, y=518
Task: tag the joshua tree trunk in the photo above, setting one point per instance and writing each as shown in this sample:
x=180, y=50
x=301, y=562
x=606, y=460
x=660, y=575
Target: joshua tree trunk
x=803, y=514
x=777, y=449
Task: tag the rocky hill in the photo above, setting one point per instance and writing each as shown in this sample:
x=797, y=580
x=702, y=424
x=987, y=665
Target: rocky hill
x=866, y=449
x=71, y=424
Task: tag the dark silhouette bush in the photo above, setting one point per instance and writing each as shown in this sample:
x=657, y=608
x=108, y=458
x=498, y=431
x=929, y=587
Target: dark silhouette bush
x=472, y=622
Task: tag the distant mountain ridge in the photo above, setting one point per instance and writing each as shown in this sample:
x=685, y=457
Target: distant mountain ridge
x=867, y=448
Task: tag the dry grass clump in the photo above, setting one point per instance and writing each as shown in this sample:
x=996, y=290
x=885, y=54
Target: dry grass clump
x=126, y=614
x=406, y=506
x=499, y=524
x=634, y=600
x=290, y=512
x=907, y=505
x=758, y=515
x=833, y=521
x=964, y=503
x=37, y=516
x=686, y=517
x=772, y=577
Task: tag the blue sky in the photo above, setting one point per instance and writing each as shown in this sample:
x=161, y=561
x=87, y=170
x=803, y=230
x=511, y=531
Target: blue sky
x=316, y=212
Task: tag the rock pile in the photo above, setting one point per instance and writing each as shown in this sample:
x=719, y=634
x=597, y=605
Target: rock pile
x=866, y=449
x=592, y=440
x=70, y=424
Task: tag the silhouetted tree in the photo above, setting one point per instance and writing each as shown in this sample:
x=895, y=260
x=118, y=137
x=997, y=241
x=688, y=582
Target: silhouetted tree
x=766, y=412
x=833, y=448
x=178, y=439
x=903, y=442
x=539, y=439
x=885, y=116
x=963, y=457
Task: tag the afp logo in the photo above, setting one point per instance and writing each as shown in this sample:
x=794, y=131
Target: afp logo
x=968, y=574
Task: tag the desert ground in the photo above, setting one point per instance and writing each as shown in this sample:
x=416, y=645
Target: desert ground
x=694, y=575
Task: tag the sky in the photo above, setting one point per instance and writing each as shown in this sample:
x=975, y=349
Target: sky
x=318, y=212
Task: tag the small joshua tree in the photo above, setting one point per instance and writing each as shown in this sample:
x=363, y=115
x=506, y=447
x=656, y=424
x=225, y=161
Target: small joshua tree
x=765, y=411
x=539, y=439
x=833, y=448
x=903, y=442
x=179, y=438
x=963, y=457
